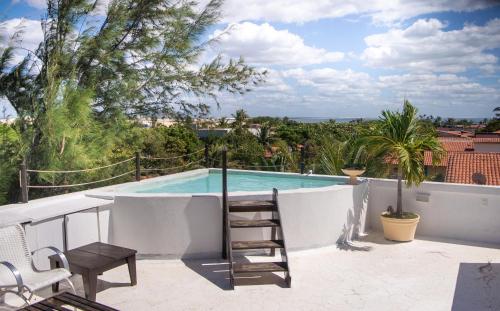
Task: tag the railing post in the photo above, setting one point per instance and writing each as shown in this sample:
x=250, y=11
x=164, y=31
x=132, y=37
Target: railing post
x=138, y=166
x=302, y=160
x=23, y=176
x=206, y=155
x=224, y=203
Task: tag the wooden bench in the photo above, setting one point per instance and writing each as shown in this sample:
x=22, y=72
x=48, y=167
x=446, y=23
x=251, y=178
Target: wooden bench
x=93, y=259
x=67, y=302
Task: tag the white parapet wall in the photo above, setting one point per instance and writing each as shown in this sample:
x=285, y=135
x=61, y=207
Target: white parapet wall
x=451, y=211
x=181, y=226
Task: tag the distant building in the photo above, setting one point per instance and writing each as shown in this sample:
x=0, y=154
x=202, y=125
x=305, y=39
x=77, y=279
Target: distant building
x=474, y=168
x=149, y=122
x=486, y=144
x=453, y=133
x=467, y=159
x=212, y=132
x=471, y=160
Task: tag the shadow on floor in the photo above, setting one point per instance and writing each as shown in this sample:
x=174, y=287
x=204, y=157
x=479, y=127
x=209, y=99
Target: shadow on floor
x=217, y=272
x=477, y=287
x=376, y=239
x=351, y=246
x=102, y=285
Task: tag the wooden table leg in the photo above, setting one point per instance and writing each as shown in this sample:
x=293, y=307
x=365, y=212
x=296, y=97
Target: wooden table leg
x=90, y=285
x=132, y=270
x=54, y=264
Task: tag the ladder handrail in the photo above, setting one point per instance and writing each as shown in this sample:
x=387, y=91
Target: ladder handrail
x=283, y=251
x=227, y=252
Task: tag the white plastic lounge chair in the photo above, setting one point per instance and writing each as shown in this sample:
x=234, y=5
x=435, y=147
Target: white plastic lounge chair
x=18, y=274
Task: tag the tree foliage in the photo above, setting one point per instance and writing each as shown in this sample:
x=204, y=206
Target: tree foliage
x=75, y=94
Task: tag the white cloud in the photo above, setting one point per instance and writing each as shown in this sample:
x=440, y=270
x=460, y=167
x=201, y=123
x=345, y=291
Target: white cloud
x=381, y=11
x=29, y=35
x=447, y=89
x=100, y=7
x=425, y=46
x=274, y=81
x=347, y=93
x=265, y=45
x=335, y=83
x=299, y=11
x=39, y=4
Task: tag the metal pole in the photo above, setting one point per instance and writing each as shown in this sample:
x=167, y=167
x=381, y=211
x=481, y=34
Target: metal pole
x=65, y=233
x=206, y=155
x=23, y=175
x=138, y=166
x=302, y=160
x=224, y=203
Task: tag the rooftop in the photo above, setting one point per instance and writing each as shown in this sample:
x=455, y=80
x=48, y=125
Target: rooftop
x=463, y=165
x=339, y=259
x=373, y=274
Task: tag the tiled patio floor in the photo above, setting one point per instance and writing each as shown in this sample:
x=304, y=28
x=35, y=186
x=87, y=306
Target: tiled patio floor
x=373, y=275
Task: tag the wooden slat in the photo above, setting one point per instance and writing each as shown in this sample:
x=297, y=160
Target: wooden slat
x=48, y=303
x=94, y=305
x=240, y=245
x=251, y=206
x=79, y=305
x=260, y=267
x=67, y=299
x=36, y=307
x=255, y=223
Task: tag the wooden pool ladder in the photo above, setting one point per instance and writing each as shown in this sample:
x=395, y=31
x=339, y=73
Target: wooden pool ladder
x=276, y=241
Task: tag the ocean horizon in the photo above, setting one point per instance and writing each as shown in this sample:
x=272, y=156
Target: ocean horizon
x=346, y=120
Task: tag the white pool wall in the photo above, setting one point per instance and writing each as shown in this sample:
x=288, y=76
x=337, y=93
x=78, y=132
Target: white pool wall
x=190, y=225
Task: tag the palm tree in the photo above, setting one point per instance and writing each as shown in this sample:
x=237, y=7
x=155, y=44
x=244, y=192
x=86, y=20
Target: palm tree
x=240, y=118
x=402, y=137
x=264, y=135
x=497, y=112
x=336, y=155
x=223, y=122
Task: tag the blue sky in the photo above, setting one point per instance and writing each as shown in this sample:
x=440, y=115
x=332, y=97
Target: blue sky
x=351, y=58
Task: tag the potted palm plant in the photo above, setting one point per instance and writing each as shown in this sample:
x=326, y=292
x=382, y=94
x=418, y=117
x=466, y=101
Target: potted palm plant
x=401, y=138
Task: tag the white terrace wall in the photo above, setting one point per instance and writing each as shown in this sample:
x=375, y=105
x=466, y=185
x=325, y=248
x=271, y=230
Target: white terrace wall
x=190, y=226
x=453, y=211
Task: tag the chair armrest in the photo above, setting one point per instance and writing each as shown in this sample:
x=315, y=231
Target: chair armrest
x=16, y=274
x=59, y=254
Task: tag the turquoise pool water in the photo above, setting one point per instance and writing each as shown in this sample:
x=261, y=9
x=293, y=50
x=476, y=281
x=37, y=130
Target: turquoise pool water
x=237, y=181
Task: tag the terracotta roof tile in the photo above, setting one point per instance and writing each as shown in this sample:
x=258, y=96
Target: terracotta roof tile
x=462, y=166
x=454, y=134
x=428, y=159
x=487, y=140
x=454, y=145
x=450, y=145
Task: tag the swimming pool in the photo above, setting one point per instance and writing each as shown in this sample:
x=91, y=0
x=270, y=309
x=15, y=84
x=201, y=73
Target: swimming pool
x=180, y=215
x=211, y=182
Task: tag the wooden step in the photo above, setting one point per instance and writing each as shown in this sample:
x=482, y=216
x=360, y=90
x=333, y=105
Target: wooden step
x=251, y=206
x=240, y=245
x=255, y=223
x=260, y=267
